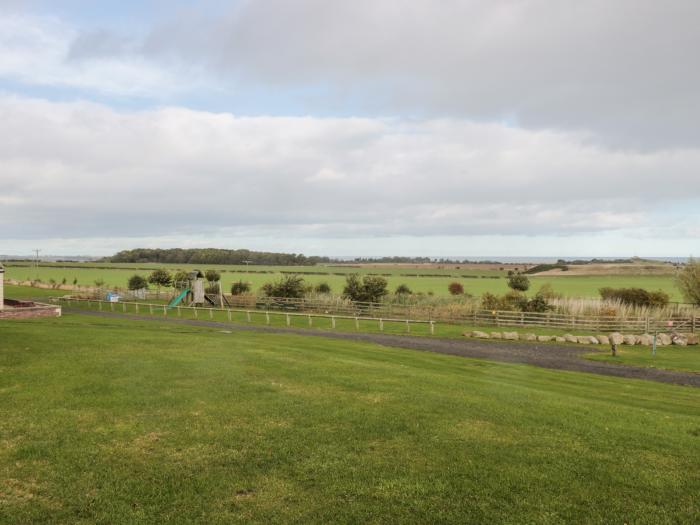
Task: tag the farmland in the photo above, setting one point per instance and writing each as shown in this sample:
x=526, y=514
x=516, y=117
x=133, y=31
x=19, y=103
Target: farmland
x=429, y=279
x=120, y=421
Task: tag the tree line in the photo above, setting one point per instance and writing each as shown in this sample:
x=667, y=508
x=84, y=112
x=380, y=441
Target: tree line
x=212, y=256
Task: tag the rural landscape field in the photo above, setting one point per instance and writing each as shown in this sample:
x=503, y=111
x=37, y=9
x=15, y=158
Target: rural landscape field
x=369, y=262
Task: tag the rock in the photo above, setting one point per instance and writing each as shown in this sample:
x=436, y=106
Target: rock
x=646, y=339
x=480, y=335
x=587, y=340
x=679, y=340
x=616, y=338
x=663, y=340
x=603, y=339
x=570, y=338
x=593, y=340
x=693, y=339
x=496, y=335
x=560, y=339
x=629, y=339
x=511, y=336
x=528, y=337
x=638, y=339
x=544, y=338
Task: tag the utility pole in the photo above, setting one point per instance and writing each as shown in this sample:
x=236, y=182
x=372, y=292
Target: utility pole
x=36, y=261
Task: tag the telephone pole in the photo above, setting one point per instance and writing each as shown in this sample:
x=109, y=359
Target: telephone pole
x=36, y=262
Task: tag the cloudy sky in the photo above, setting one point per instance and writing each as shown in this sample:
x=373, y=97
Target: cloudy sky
x=371, y=127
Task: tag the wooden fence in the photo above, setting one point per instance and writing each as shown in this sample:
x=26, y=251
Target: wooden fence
x=379, y=312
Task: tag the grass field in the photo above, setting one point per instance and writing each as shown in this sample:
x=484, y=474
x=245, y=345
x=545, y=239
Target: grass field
x=668, y=357
x=112, y=421
x=418, y=280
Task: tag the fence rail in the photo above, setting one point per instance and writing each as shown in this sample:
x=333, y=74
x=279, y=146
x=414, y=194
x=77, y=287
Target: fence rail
x=380, y=313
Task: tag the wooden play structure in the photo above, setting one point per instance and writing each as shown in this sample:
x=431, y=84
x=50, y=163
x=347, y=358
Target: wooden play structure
x=192, y=292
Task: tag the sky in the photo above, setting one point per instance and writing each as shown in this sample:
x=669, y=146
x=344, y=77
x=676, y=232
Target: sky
x=364, y=128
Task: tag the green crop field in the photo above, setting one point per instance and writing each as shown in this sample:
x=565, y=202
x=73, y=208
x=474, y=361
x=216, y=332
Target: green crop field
x=475, y=282
x=116, y=421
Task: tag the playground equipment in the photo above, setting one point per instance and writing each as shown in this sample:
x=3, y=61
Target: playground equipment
x=192, y=292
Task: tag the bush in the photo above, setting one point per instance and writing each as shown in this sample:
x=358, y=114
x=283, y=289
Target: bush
x=635, y=296
x=518, y=282
x=455, y=288
x=240, y=288
x=403, y=289
x=536, y=304
x=137, y=282
x=688, y=280
x=548, y=292
x=322, y=288
x=370, y=288
x=291, y=286
x=181, y=280
x=212, y=276
x=160, y=277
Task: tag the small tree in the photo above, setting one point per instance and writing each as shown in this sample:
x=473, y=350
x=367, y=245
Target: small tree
x=370, y=288
x=212, y=276
x=323, y=287
x=240, y=288
x=688, y=280
x=99, y=283
x=455, y=288
x=160, y=277
x=519, y=282
x=180, y=280
x=137, y=282
x=403, y=289
x=291, y=286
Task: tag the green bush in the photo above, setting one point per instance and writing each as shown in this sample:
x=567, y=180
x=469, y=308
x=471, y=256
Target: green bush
x=160, y=277
x=137, y=282
x=240, y=288
x=212, y=276
x=518, y=282
x=369, y=288
x=403, y=289
x=290, y=286
x=323, y=287
x=635, y=296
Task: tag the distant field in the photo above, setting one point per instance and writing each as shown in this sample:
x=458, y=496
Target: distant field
x=435, y=280
x=116, y=421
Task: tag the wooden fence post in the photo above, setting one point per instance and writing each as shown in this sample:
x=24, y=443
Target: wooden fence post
x=179, y=312
x=333, y=321
x=247, y=315
x=267, y=317
x=229, y=315
x=137, y=307
x=432, y=327
x=150, y=309
x=289, y=321
x=211, y=313
x=310, y=320
x=165, y=311
x=408, y=326
x=381, y=325
x=196, y=314
x=357, y=323
x=123, y=307
x=99, y=305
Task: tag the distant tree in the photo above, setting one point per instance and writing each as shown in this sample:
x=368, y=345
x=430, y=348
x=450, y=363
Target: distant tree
x=291, y=286
x=688, y=280
x=455, y=288
x=403, y=289
x=322, y=287
x=239, y=288
x=160, y=277
x=212, y=276
x=181, y=280
x=519, y=282
x=137, y=282
x=369, y=288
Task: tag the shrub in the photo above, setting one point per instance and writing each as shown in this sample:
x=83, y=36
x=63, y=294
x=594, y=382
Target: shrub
x=403, y=289
x=536, y=304
x=519, y=282
x=548, y=292
x=160, y=277
x=212, y=276
x=455, y=288
x=323, y=287
x=688, y=280
x=635, y=296
x=137, y=282
x=181, y=280
x=370, y=288
x=240, y=288
x=291, y=286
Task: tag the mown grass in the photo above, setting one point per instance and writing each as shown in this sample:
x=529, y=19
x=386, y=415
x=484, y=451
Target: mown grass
x=483, y=281
x=111, y=421
x=669, y=357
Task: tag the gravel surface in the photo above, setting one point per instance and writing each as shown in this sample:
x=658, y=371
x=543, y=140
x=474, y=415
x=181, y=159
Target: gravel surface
x=557, y=357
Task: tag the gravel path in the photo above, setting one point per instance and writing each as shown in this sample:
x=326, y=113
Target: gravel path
x=558, y=357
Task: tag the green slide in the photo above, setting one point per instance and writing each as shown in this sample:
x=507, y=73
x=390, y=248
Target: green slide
x=179, y=298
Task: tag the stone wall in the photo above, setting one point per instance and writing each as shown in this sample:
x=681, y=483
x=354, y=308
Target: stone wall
x=26, y=310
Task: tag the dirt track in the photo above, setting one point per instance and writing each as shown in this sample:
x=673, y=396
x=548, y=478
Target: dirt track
x=558, y=357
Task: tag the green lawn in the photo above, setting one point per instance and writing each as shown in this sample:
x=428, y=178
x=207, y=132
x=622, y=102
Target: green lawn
x=669, y=357
x=111, y=421
x=480, y=281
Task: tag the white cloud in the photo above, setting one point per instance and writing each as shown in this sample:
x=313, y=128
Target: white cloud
x=81, y=170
